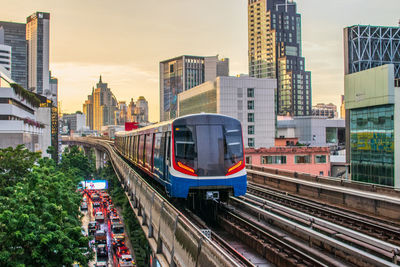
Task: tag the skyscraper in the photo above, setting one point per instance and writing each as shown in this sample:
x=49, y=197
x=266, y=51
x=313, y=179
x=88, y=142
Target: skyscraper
x=182, y=73
x=37, y=37
x=101, y=107
x=275, y=51
x=14, y=36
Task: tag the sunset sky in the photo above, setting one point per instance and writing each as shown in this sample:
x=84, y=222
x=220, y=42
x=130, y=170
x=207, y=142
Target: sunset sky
x=124, y=40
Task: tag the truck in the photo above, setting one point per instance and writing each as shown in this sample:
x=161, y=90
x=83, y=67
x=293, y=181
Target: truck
x=100, y=237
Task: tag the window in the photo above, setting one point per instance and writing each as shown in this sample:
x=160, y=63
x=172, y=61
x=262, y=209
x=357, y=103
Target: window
x=250, y=129
x=273, y=159
x=250, y=142
x=248, y=160
x=302, y=159
x=320, y=159
x=321, y=173
x=250, y=117
x=240, y=92
x=250, y=104
x=250, y=92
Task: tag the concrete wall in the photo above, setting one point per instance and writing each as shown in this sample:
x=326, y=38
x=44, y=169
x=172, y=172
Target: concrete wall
x=43, y=115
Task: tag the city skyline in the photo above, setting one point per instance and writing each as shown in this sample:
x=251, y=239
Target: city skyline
x=128, y=55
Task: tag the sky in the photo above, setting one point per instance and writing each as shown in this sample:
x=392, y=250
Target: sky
x=124, y=41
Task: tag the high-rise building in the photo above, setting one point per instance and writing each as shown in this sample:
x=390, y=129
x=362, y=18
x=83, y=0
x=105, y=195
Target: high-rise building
x=53, y=92
x=88, y=110
x=247, y=99
x=121, y=113
x=142, y=110
x=101, y=106
x=15, y=36
x=182, y=73
x=5, y=58
x=372, y=88
x=37, y=38
x=275, y=51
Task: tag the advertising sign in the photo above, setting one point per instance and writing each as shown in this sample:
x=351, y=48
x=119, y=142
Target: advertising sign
x=94, y=184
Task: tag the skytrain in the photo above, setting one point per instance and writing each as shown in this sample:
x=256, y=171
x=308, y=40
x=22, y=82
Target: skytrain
x=200, y=155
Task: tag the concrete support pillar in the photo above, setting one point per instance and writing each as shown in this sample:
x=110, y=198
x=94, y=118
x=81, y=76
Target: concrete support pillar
x=99, y=158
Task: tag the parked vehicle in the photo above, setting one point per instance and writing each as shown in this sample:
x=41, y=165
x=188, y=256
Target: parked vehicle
x=126, y=260
x=101, y=237
x=96, y=205
x=93, y=227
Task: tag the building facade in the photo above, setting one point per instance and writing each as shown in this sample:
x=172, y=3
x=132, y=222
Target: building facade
x=311, y=160
x=101, y=107
x=372, y=112
x=325, y=110
x=275, y=51
x=19, y=124
x=247, y=99
x=313, y=131
x=37, y=39
x=15, y=36
x=75, y=122
x=367, y=46
x=5, y=58
x=182, y=73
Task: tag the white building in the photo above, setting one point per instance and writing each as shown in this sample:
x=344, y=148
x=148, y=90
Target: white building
x=18, y=122
x=313, y=131
x=5, y=58
x=75, y=122
x=248, y=99
x=38, y=43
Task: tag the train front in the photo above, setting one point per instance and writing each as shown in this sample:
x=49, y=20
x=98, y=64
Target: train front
x=207, y=157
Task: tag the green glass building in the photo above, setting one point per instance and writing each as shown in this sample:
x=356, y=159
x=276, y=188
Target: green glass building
x=372, y=102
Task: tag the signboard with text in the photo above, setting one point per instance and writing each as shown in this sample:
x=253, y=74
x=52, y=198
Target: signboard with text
x=94, y=184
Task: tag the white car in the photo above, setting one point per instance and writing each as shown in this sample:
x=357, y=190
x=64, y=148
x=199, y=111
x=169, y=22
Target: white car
x=126, y=260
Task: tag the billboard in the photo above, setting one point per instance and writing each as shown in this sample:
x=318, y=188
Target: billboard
x=94, y=184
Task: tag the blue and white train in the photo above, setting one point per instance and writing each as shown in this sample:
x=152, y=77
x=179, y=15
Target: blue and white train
x=200, y=154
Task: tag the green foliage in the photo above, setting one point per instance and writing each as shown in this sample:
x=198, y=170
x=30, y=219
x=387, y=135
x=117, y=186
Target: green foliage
x=137, y=236
x=39, y=212
x=75, y=160
x=30, y=97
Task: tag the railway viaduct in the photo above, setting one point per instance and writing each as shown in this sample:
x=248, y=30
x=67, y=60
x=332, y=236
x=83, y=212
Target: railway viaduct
x=174, y=240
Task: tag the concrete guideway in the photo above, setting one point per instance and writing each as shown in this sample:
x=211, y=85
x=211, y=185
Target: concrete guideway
x=377, y=204
x=174, y=240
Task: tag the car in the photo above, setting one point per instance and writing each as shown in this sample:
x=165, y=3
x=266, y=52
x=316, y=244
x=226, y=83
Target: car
x=99, y=216
x=125, y=261
x=114, y=219
x=84, y=206
x=95, y=197
x=101, y=263
x=93, y=226
x=101, y=250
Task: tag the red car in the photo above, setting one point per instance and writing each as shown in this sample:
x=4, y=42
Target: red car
x=122, y=251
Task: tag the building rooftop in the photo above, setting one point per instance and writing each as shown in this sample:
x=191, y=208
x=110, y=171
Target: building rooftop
x=284, y=149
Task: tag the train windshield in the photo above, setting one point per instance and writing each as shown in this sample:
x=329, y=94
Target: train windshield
x=209, y=149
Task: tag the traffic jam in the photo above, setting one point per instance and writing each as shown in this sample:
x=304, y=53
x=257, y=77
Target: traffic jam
x=106, y=228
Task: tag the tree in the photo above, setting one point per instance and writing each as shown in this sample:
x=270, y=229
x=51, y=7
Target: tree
x=39, y=213
x=73, y=158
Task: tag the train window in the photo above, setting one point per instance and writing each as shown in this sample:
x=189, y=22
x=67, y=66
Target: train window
x=149, y=150
x=141, y=147
x=233, y=148
x=168, y=146
x=185, y=148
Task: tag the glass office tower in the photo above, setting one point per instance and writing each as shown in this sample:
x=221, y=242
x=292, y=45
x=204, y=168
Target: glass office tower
x=275, y=51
